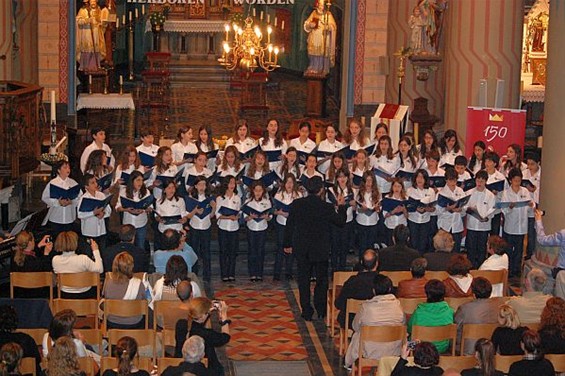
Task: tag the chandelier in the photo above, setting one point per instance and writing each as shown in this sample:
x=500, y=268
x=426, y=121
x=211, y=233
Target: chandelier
x=246, y=48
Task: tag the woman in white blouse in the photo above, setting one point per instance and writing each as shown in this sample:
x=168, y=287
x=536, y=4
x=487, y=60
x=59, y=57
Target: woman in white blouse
x=498, y=260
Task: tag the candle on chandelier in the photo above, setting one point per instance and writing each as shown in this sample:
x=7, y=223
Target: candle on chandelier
x=53, y=108
x=124, y=19
x=143, y=10
x=136, y=14
x=268, y=18
x=261, y=16
x=227, y=28
x=275, y=21
x=130, y=17
x=254, y=14
x=282, y=25
x=117, y=22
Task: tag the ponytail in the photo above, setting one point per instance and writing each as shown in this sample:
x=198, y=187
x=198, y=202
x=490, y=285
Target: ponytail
x=126, y=350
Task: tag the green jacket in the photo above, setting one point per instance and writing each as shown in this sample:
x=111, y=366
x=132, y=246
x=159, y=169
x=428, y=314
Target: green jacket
x=432, y=314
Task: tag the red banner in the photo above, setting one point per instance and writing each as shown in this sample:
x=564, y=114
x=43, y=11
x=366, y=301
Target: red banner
x=497, y=128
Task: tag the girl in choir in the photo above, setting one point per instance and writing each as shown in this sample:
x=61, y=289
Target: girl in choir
x=231, y=164
x=170, y=205
x=228, y=227
x=477, y=163
x=380, y=130
x=128, y=163
x=310, y=170
x=384, y=160
x=241, y=138
x=272, y=140
x=399, y=215
x=342, y=236
x=419, y=221
x=355, y=135
x=367, y=200
x=164, y=166
x=184, y=145
x=513, y=158
x=287, y=193
x=205, y=143
x=407, y=160
x=259, y=166
x=450, y=218
x=96, y=164
x=147, y=146
x=62, y=211
x=136, y=191
x=200, y=233
x=361, y=164
x=337, y=163
x=494, y=176
x=290, y=164
x=303, y=142
x=257, y=225
x=329, y=145
x=428, y=143
x=92, y=223
x=449, y=148
x=515, y=219
x=198, y=169
x=533, y=174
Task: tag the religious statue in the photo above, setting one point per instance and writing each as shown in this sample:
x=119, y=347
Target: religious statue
x=418, y=33
x=108, y=17
x=537, y=32
x=432, y=16
x=321, y=28
x=91, y=48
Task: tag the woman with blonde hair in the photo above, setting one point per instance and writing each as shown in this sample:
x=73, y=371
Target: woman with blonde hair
x=443, y=243
x=126, y=352
x=121, y=284
x=63, y=359
x=506, y=338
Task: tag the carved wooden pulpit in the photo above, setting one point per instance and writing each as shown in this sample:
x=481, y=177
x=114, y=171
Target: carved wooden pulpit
x=20, y=134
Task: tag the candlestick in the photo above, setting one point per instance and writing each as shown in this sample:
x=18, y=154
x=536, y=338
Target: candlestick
x=282, y=26
x=121, y=79
x=143, y=10
x=117, y=22
x=136, y=14
x=268, y=18
x=275, y=21
x=261, y=16
x=254, y=15
x=124, y=20
x=53, y=107
x=130, y=18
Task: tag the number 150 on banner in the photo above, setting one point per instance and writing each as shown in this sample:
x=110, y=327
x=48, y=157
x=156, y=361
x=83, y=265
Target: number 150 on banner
x=497, y=128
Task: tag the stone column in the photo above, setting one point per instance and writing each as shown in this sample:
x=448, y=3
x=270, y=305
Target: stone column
x=483, y=40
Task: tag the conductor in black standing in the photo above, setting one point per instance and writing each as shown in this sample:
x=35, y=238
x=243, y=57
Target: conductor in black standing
x=307, y=236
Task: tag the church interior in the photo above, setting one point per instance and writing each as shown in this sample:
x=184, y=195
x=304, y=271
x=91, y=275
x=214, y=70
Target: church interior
x=484, y=71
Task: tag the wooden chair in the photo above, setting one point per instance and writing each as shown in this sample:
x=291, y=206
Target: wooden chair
x=456, y=302
x=143, y=363
x=92, y=336
x=166, y=313
x=397, y=276
x=532, y=325
x=35, y=333
x=476, y=331
x=79, y=280
x=409, y=304
x=353, y=306
x=142, y=336
x=87, y=365
x=441, y=275
x=27, y=366
x=163, y=363
x=558, y=361
x=436, y=333
x=167, y=339
x=339, y=279
x=125, y=308
x=503, y=362
x=377, y=334
x=82, y=307
x=457, y=363
x=494, y=277
x=32, y=280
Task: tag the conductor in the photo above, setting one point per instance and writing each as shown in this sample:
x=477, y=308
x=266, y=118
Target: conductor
x=307, y=235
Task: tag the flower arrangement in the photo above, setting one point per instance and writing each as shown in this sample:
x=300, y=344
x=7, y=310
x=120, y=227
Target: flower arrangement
x=157, y=19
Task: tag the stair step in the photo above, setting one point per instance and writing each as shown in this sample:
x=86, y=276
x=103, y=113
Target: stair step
x=195, y=73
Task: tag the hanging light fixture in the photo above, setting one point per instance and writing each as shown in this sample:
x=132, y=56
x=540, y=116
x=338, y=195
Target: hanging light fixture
x=247, y=50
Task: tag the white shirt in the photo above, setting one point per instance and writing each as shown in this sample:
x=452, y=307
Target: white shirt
x=192, y=171
x=91, y=225
x=129, y=170
x=70, y=262
x=89, y=149
x=439, y=172
x=179, y=150
x=450, y=222
x=496, y=262
x=354, y=145
x=230, y=170
x=287, y=199
x=242, y=146
x=170, y=208
x=233, y=202
x=477, y=167
x=326, y=146
x=270, y=146
x=306, y=147
x=149, y=150
x=137, y=221
x=536, y=180
x=363, y=217
x=426, y=196
x=201, y=224
x=211, y=161
x=260, y=206
x=408, y=167
x=449, y=157
x=294, y=170
x=493, y=178
x=484, y=203
x=387, y=165
x=57, y=213
x=464, y=176
x=394, y=220
x=516, y=219
x=170, y=172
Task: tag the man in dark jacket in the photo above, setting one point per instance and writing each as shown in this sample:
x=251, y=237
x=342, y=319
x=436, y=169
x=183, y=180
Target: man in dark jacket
x=359, y=286
x=398, y=256
x=127, y=244
x=192, y=352
x=307, y=236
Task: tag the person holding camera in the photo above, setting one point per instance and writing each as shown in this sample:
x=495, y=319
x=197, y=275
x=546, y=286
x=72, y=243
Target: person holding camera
x=200, y=311
x=29, y=257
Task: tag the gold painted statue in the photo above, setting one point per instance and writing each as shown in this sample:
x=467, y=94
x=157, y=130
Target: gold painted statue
x=321, y=28
x=90, y=44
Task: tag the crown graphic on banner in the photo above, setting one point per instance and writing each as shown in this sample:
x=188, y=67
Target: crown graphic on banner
x=495, y=117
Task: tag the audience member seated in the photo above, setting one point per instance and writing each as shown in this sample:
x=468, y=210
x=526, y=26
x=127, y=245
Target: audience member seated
x=192, y=353
x=533, y=363
x=70, y=262
x=443, y=243
x=10, y=356
x=498, y=260
x=552, y=326
x=458, y=283
x=63, y=358
x=506, y=338
x=482, y=310
x=359, y=286
x=199, y=312
x=414, y=287
x=122, y=285
x=435, y=312
x=166, y=287
x=400, y=255
x=531, y=303
x=173, y=243
x=484, y=352
x=126, y=351
x=426, y=360
x=382, y=310
x=8, y=326
x=127, y=244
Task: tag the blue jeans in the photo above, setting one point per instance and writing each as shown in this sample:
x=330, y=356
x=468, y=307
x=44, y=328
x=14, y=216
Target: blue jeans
x=229, y=245
x=419, y=236
x=515, y=253
x=200, y=243
x=476, y=245
x=256, y=256
x=280, y=256
x=367, y=237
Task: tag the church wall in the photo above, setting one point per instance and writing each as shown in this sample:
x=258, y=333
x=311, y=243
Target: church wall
x=6, y=40
x=48, y=47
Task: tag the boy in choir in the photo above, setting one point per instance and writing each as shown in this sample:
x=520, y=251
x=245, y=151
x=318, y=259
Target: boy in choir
x=480, y=210
x=433, y=170
x=62, y=211
x=148, y=148
x=494, y=176
x=92, y=222
x=98, y=143
x=450, y=217
x=515, y=219
x=533, y=174
x=461, y=168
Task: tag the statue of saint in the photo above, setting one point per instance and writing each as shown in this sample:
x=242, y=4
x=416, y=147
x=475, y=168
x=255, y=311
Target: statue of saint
x=91, y=48
x=537, y=32
x=418, y=33
x=432, y=14
x=321, y=28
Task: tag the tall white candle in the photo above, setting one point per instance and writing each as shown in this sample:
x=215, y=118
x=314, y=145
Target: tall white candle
x=124, y=20
x=53, y=107
x=121, y=80
x=275, y=21
x=117, y=22
x=282, y=25
x=130, y=17
x=90, y=79
x=143, y=10
x=254, y=14
x=261, y=16
x=136, y=14
x=268, y=18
